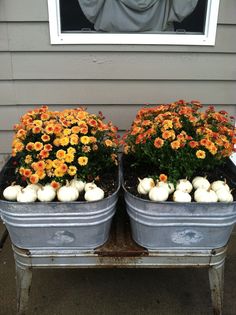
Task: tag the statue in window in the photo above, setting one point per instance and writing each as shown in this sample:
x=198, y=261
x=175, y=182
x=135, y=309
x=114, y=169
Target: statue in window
x=126, y=16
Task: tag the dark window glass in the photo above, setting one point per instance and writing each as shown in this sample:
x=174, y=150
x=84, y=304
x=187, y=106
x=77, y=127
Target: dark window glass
x=73, y=19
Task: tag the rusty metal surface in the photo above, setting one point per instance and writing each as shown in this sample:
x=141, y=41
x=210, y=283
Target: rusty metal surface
x=120, y=242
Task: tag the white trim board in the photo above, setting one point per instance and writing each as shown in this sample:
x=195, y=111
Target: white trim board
x=208, y=38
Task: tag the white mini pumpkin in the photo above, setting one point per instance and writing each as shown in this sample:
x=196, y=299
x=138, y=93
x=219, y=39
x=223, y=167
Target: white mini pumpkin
x=46, y=193
x=27, y=195
x=224, y=195
x=181, y=196
x=145, y=185
x=94, y=194
x=89, y=186
x=203, y=195
x=169, y=186
x=77, y=183
x=218, y=184
x=10, y=192
x=201, y=182
x=184, y=185
x=67, y=193
x=158, y=194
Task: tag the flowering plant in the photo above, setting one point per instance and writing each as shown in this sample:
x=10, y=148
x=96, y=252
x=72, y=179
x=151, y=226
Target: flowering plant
x=53, y=146
x=178, y=139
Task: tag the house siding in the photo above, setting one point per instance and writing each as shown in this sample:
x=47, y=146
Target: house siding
x=116, y=79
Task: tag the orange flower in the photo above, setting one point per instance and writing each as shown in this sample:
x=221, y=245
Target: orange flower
x=41, y=174
x=108, y=143
x=74, y=139
x=163, y=177
x=75, y=129
x=193, y=144
x=48, y=147
x=45, y=138
x=201, y=154
x=55, y=185
x=81, y=114
x=38, y=146
x=92, y=122
x=49, y=129
x=83, y=160
x=175, y=145
x=57, y=129
x=158, y=143
x=36, y=129
x=40, y=165
x=44, y=153
x=45, y=116
x=63, y=168
x=27, y=172
x=168, y=134
x=19, y=146
x=61, y=154
x=34, y=179
x=56, y=142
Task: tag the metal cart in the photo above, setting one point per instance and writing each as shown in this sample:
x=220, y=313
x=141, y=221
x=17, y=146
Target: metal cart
x=119, y=252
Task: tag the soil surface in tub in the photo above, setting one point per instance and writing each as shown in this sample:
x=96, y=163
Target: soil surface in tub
x=131, y=173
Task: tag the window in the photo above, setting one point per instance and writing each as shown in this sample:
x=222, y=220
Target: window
x=70, y=24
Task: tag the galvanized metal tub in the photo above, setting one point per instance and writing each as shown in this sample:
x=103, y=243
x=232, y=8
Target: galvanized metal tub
x=61, y=225
x=171, y=225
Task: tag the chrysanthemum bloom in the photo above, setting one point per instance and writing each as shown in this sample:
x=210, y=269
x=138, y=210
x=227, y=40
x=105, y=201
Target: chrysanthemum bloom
x=83, y=160
x=158, y=143
x=108, y=143
x=34, y=179
x=85, y=140
x=200, y=154
x=38, y=146
x=72, y=170
x=163, y=177
x=61, y=154
x=175, y=145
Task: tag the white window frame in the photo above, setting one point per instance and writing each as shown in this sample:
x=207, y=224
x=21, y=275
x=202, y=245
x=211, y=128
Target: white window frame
x=208, y=38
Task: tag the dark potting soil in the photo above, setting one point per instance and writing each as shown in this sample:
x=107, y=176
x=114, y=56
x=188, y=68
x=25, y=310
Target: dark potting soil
x=131, y=174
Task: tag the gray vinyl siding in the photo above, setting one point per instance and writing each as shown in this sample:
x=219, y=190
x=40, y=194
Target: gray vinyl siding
x=117, y=79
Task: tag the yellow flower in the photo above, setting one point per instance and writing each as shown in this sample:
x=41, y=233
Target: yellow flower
x=28, y=159
x=58, y=173
x=83, y=160
x=85, y=140
x=72, y=170
x=69, y=158
x=74, y=139
x=67, y=132
x=71, y=150
x=64, y=141
x=49, y=164
x=56, y=163
x=201, y=154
